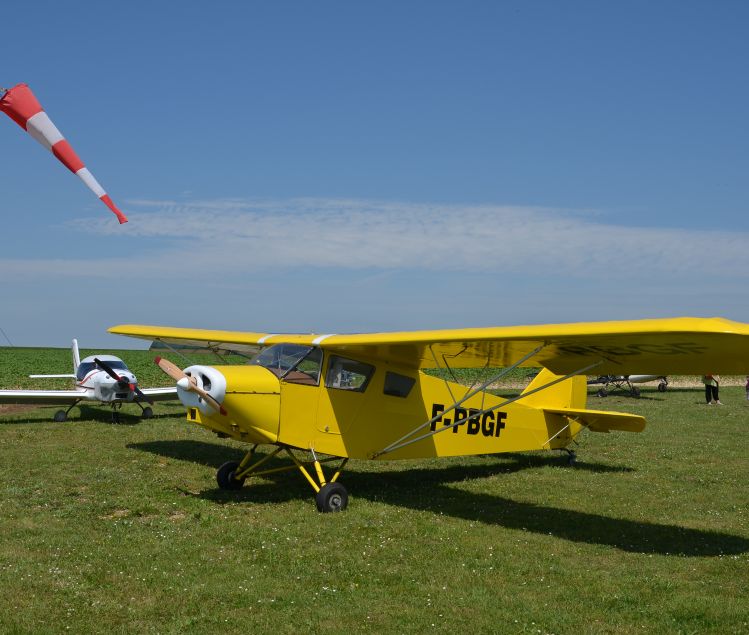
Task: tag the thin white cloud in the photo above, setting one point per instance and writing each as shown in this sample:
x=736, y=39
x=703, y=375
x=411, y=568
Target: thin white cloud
x=366, y=234
x=228, y=236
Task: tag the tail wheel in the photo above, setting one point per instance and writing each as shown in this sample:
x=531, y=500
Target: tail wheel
x=225, y=476
x=332, y=497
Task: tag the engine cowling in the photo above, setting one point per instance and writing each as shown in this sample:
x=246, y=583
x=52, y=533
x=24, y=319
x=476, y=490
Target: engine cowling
x=250, y=396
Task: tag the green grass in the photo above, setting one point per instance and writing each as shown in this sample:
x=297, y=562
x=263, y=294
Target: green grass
x=121, y=528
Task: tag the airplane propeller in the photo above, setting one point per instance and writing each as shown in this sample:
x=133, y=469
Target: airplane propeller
x=188, y=383
x=123, y=382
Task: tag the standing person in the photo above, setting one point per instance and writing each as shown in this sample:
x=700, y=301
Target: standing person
x=712, y=382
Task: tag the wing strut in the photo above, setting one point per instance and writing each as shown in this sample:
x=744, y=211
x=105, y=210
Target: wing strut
x=402, y=442
x=396, y=445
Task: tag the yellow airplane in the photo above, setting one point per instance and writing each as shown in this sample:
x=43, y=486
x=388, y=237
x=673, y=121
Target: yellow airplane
x=365, y=396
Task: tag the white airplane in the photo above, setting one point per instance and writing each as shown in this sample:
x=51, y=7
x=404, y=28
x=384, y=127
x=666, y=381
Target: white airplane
x=100, y=378
x=626, y=383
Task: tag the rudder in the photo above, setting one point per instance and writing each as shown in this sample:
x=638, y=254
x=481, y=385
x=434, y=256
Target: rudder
x=570, y=393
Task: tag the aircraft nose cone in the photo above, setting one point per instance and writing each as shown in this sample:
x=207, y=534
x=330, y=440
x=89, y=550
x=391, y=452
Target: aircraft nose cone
x=184, y=383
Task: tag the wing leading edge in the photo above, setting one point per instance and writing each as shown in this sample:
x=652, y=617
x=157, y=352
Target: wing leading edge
x=660, y=346
x=41, y=397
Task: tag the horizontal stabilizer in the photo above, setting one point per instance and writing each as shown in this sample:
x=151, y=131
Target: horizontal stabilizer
x=601, y=420
x=66, y=376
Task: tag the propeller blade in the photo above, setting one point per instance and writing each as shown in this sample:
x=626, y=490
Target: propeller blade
x=187, y=383
x=208, y=399
x=140, y=394
x=174, y=371
x=108, y=370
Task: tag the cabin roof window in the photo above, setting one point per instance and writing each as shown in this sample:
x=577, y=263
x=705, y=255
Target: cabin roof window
x=348, y=374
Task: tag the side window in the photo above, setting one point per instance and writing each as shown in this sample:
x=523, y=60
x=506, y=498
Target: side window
x=398, y=385
x=348, y=374
x=307, y=371
x=84, y=369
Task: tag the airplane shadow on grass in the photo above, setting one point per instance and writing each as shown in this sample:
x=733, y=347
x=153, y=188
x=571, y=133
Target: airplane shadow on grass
x=428, y=489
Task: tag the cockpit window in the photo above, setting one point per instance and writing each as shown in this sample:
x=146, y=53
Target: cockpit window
x=84, y=368
x=293, y=363
x=348, y=374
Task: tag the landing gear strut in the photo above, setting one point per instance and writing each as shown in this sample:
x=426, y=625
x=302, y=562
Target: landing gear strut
x=330, y=496
x=145, y=413
x=116, y=412
x=571, y=456
x=62, y=415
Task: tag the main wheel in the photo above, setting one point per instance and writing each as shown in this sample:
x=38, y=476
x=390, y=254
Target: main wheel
x=603, y=392
x=332, y=497
x=60, y=416
x=147, y=413
x=662, y=386
x=635, y=391
x=225, y=476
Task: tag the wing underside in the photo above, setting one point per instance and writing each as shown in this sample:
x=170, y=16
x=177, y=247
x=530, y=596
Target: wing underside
x=660, y=346
x=160, y=394
x=41, y=397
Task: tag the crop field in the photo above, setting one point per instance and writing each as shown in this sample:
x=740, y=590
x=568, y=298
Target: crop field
x=122, y=529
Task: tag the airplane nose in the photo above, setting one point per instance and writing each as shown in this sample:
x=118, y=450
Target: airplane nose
x=201, y=382
x=201, y=387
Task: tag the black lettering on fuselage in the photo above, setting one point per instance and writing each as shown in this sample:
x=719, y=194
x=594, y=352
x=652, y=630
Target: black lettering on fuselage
x=473, y=420
x=501, y=421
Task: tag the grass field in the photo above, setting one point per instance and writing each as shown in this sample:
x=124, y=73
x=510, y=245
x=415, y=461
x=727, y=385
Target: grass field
x=121, y=528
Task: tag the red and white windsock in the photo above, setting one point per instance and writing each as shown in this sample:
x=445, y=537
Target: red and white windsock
x=22, y=107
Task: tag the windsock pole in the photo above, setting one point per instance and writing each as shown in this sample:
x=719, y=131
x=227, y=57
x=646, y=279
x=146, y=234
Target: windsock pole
x=20, y=104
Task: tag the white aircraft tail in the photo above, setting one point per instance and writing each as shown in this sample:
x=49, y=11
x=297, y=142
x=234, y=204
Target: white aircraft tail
x=76, y=356
x=76, y=364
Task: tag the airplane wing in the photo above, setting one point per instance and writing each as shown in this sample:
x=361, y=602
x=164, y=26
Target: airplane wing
x=160, y=394
x=680, y=346
x=42, y=397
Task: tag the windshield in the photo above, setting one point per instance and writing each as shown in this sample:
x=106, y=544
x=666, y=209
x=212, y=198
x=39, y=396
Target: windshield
x=293, y=362
x=86, y=367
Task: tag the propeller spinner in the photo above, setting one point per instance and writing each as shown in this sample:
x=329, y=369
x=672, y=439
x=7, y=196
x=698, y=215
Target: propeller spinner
x=185, y=382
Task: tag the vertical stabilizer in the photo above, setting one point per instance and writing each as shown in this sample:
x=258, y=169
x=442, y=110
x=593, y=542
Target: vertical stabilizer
x=571, y=393
x=76, y=356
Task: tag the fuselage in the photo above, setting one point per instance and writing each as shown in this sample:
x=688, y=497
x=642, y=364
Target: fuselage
x=96, y=384
x=357, y=407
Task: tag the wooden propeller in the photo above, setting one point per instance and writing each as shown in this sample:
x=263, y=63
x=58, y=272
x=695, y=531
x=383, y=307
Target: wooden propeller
x=187, y=383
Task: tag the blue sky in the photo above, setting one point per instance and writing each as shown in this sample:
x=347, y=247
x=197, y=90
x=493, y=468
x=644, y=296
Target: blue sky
x=339, y=167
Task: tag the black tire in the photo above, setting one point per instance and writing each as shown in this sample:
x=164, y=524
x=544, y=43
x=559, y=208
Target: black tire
x=147, y=413
x=332, y=497
x=603, y=393
x=662, y=386
x=225, y=476
x=635, y=391
x=60, y=416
